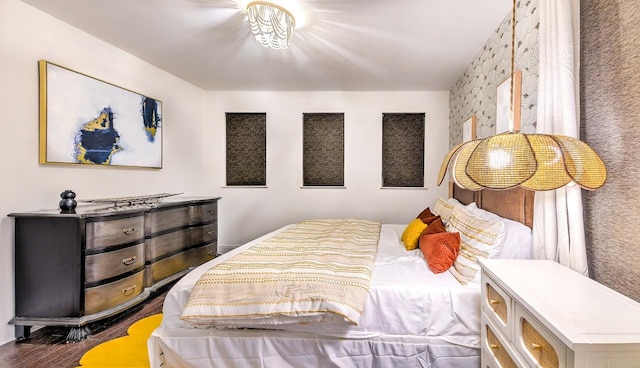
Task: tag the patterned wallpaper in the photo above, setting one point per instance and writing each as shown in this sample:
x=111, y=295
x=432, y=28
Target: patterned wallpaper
x=475, y=90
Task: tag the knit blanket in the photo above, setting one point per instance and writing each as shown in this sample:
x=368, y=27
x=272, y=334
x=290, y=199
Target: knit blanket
x=314, y=271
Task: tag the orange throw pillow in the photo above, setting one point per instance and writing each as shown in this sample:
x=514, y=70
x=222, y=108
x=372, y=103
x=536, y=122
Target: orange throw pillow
x=440, y=250
x=435, y=227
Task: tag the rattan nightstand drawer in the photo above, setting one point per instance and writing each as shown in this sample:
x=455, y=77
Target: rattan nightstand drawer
x=536, y=344
x=498, y=306
x=495, y=348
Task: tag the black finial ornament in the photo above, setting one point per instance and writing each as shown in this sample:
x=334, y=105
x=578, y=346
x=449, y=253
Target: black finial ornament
x=68, y=202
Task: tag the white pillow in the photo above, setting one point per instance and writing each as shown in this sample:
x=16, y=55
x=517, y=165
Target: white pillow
x=454, y=202
x=479, y=239
x=518, y=238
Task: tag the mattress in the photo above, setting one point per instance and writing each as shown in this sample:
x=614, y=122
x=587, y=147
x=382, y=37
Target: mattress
x=410, y=312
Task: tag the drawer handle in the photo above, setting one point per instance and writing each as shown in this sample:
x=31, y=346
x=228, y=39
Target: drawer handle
x=129, y=261
x=536, y=346
x=128, y=290
x=129, y=231
x=211, y=253
x=494, y=346
x=211, y=212
x=210, y=233
x=494, y=302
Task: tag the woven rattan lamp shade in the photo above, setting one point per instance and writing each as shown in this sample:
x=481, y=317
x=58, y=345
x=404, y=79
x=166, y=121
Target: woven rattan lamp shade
x=532, y=161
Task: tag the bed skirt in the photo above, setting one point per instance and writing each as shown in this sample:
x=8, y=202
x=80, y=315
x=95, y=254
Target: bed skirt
x=206, y=348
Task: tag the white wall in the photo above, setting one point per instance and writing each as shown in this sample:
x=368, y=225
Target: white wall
x=27, y=35
x=246, y=213
x=194, y=153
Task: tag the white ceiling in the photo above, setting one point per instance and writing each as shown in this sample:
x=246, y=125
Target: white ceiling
x=342, y=45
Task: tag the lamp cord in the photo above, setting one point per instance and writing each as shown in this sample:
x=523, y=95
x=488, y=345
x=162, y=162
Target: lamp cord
x=513, y=57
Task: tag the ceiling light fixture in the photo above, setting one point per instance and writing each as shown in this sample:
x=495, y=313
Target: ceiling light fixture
x=532, y=161
x=271, y=24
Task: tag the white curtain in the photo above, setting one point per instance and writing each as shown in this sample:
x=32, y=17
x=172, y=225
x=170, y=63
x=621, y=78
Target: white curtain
x=558, y=226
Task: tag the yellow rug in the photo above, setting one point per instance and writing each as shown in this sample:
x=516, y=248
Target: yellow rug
x=124, y=352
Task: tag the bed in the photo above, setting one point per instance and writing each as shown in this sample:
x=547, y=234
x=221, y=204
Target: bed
x=412, y=317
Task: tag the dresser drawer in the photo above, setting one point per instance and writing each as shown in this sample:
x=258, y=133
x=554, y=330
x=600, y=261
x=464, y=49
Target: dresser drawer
x=498, y=306
x=109, y=264
x=165, y=268
x=497, y=352
x=159, y=246
x=167, y=219
x=200, y=255
x=109, y=295
x=103, y=234
x=488, y=361
x=204, y=234
x=536, y=344
x=204, y=213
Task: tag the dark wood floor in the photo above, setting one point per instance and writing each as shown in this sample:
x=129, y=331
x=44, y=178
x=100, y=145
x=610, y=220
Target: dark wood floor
x=47, y=347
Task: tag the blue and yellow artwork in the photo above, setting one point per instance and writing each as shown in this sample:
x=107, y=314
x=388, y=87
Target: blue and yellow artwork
x=84, y=120
x=97, y=141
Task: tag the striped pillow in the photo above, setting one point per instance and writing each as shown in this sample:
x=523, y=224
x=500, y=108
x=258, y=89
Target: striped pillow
x=443, y=208
x=478, y=239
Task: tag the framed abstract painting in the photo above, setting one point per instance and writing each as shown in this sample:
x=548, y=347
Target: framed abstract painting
x=84, y=120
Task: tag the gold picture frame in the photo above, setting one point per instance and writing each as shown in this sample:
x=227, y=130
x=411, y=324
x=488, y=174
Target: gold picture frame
x=84, y=120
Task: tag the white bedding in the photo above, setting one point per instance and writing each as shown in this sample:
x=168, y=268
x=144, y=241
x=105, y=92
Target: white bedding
x=409, y=313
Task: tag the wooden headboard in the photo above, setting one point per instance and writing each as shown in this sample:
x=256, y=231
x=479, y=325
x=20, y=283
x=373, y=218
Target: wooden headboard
x=515, y=204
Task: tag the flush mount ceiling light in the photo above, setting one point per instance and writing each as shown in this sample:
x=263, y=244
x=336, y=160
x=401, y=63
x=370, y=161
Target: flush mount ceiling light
x=271, y=24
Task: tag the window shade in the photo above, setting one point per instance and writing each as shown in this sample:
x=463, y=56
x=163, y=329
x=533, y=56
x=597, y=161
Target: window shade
x=403, y=149
x=246, y=149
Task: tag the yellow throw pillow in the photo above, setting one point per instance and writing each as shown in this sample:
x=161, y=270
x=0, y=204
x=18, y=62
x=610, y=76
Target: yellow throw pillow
x=411, y=234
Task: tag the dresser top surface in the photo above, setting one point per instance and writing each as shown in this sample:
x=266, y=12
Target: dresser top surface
x=86, y=210
x=576, y=308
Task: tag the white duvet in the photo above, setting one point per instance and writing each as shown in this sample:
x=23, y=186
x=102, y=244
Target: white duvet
x=406, y=300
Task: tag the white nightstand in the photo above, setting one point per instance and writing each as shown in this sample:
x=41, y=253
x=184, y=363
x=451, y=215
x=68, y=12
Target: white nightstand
x=542, y=314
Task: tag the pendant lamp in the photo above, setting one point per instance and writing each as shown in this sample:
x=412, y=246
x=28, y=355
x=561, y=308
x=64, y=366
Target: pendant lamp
x=532, y=161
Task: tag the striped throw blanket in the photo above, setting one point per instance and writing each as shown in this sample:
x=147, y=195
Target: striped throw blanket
x=314, y=271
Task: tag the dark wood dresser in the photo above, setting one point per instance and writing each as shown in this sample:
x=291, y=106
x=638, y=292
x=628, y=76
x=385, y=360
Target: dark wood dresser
x=72, y=269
